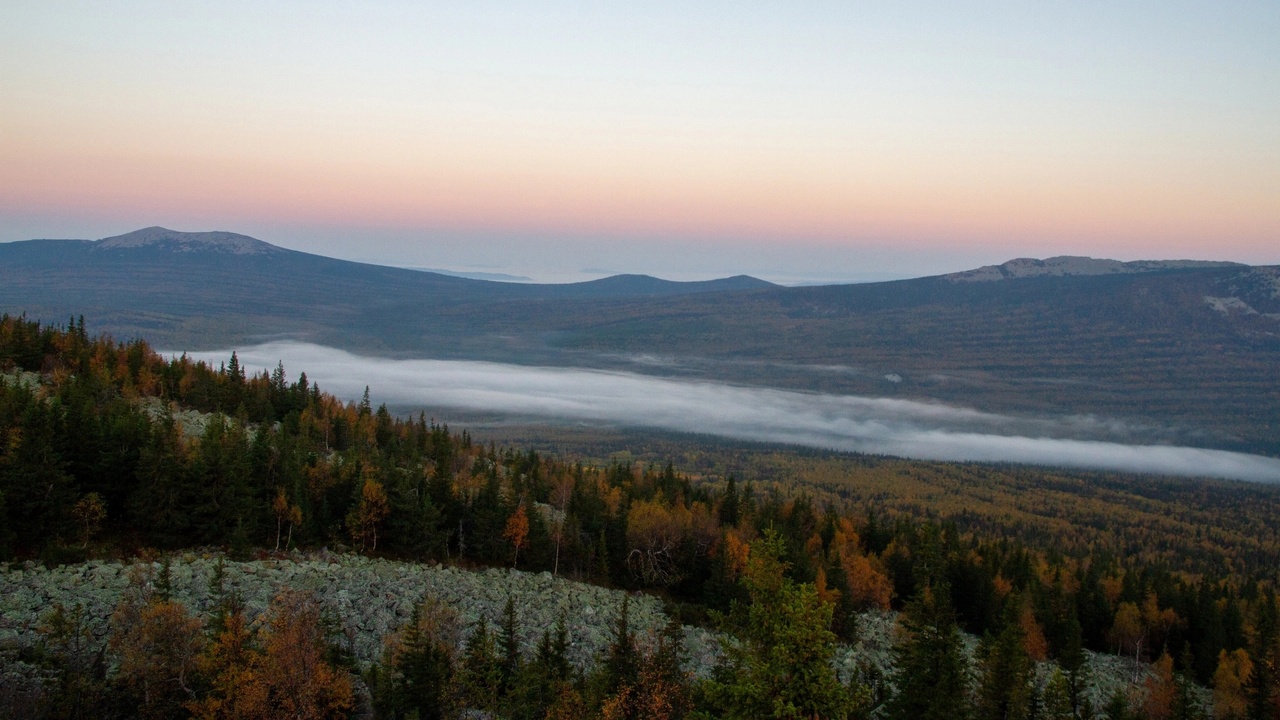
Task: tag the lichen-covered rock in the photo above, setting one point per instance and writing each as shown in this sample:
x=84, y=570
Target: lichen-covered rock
x=365, y=598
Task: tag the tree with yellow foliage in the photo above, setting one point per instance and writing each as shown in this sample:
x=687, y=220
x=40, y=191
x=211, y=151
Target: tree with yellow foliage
x=516, y=532
x=157, y=643
x=1235, y=669
x=366, y=517
x=287, y=677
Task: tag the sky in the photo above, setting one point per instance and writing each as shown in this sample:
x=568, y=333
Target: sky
x=800, y=142
x=889, y=426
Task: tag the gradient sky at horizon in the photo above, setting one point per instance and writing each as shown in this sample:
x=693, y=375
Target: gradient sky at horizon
x=817, y=142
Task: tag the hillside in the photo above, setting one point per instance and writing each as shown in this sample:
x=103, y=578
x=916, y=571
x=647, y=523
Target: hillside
x=104, y=459
x=208, y=289
x=1190, y=347
x=370, y=599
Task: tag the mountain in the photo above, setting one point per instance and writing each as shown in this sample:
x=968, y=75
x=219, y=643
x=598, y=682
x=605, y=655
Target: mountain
x=211, y=288
x=162, y=239
x=1064, y=265
x=1190, y=347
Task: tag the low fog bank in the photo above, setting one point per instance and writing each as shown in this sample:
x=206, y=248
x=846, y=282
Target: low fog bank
x=905, y=428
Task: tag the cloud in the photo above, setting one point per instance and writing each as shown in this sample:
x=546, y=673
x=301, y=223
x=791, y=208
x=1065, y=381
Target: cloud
x=906, y=428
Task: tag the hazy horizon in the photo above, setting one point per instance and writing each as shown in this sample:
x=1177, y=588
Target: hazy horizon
x=794, y=275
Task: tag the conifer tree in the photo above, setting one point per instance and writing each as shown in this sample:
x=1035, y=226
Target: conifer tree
x=1264, y=656
x=509, y=646
x=780, y=666
x=542, y=680
x=417, y=677
x=1057, y=698
x=620, y=667
x=932, y=671
x=481, y=670
x=1004, y=691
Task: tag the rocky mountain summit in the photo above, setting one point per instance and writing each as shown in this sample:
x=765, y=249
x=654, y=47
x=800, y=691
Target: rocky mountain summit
x=173, y=241
x=1064, y=265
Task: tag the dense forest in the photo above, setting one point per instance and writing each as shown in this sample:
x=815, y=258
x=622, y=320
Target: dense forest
x=94, y=461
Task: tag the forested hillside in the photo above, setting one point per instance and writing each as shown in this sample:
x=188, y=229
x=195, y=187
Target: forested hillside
x=95, y=462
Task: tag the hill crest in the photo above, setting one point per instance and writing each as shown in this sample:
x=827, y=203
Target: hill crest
x=1064, y=265
x=218, y=241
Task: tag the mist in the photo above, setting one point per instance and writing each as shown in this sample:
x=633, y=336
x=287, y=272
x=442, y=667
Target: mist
x=905, y=428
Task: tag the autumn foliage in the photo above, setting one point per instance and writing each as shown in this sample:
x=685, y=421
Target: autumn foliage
x=282, y=672
x=100, y=457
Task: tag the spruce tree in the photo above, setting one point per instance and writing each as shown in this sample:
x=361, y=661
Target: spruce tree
x=780, y=666
x=620, y=668
x=481, y=670
x=424, y=668
x=1004, y=691
x=509, y=646
x=542, y=681
x=932, y=670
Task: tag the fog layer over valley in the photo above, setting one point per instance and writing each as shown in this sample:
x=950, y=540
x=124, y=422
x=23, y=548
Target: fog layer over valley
x=906, y=428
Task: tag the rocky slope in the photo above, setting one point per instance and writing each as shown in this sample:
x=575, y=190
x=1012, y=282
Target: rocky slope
x=370, y=598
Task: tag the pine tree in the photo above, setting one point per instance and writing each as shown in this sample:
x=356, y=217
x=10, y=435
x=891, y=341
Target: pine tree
x=729, y=503
x=1264, y=655
x=1071, y=658
x=542, y=680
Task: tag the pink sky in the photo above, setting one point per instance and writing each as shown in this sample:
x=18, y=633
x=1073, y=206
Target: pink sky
x=901, y=145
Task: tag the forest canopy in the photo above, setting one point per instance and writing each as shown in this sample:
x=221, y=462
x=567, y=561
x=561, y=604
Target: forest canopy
x=110, y=450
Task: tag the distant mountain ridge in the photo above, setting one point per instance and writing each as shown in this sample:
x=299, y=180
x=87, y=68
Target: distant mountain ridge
x=1067, y=265
x=152, y=245
x=174, y=241
x=1189, y=345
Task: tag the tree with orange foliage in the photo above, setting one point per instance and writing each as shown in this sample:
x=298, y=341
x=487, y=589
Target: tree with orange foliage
x=1161, y=690
x=1033, y=639
x=569, y=704
x=157, y=644
x=1157, y=622
x=280, y=508
x=291, y=674
x=1127, y=633
x=367, y=516
x=228, y=664
x=516, y=532
x=868, y=586
x=287, y=677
